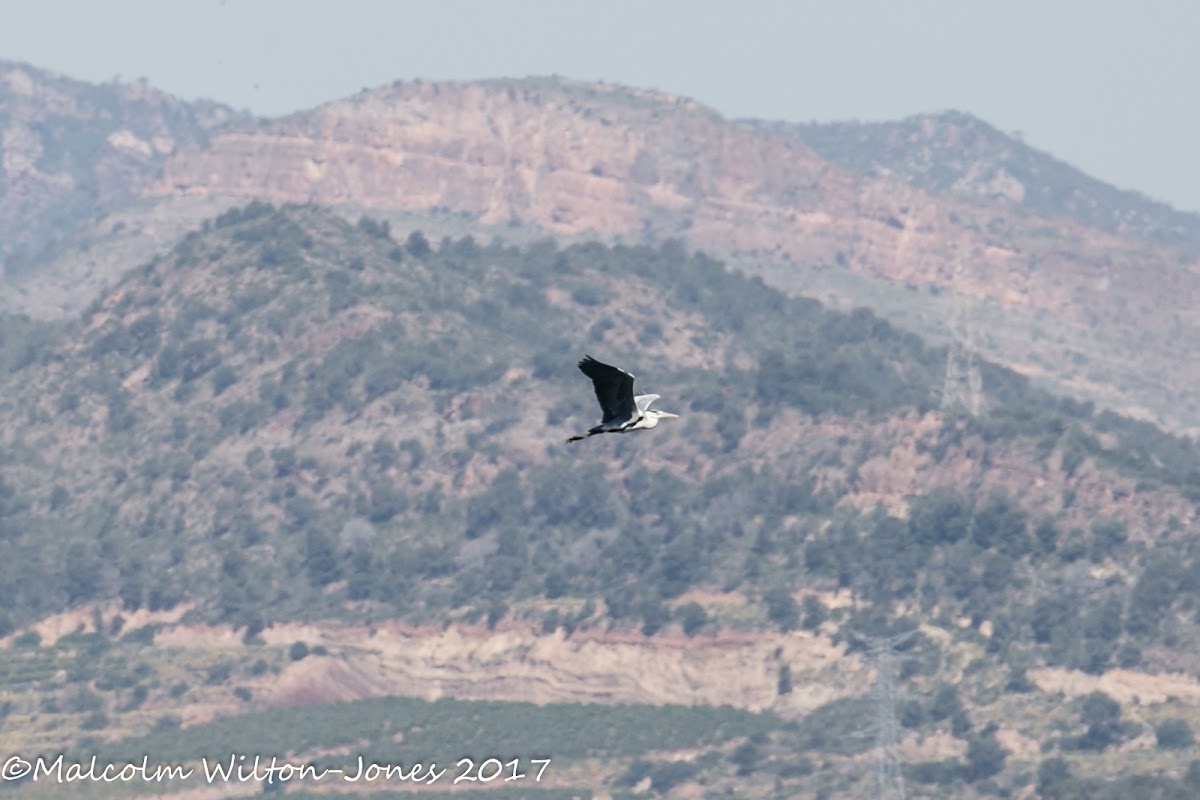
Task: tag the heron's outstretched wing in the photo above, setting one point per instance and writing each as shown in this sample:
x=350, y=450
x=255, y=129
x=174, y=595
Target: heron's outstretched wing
x=614, y=389
x=643, y=401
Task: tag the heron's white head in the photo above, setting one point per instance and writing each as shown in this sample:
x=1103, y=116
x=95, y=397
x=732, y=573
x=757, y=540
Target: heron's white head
x=653, y=416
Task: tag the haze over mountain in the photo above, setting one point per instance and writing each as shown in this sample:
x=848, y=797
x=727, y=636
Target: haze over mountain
x=306, y=446
x=72, y=149
x=957, y=153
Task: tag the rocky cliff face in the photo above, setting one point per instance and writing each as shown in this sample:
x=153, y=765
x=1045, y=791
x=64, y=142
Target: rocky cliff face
x=1102, y=315
x=570, y=158
x=608, y=161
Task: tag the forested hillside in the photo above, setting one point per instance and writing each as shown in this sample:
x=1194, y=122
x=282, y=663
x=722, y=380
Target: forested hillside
x=294, y=418
x=297, y=388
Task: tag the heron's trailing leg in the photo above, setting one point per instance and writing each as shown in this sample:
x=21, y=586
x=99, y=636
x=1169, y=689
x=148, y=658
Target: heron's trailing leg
x=592, y=432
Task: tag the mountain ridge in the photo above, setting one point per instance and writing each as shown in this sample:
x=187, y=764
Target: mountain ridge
x=1094, y=312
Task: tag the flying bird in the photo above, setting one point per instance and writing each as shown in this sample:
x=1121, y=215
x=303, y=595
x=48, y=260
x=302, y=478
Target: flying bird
x=622, y=411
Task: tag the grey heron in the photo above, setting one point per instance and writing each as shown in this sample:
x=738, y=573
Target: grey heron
x=622, y=410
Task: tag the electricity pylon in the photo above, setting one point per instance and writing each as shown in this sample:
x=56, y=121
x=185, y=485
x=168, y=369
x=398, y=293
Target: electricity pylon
x=962, y=388
x=884, y=728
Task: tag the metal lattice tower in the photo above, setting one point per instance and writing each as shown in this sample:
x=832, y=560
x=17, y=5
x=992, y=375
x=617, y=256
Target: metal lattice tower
x=962, y=389
x=884, y=729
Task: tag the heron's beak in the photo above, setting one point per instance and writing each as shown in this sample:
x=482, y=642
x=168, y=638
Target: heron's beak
x=668, y=415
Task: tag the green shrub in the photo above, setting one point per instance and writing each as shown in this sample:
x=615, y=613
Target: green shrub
x=693, y=617
x=782, y=609
x=97, y=720
x=985, y=756
x=1174, y=734
x=223, y=377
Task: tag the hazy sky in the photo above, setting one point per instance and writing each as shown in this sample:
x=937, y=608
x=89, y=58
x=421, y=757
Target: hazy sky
x=1108, y=86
